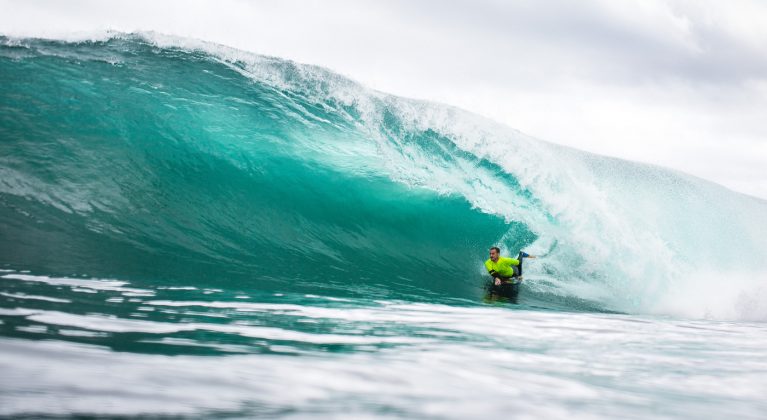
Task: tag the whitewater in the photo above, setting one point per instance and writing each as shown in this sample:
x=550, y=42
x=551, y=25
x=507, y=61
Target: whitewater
x=187, y=229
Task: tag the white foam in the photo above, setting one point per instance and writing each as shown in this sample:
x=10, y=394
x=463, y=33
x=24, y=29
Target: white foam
x=35, y=329
x=81, y=284
x=17, y=311
x=35, y=297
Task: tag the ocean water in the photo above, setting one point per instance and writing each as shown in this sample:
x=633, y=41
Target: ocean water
x=191, y=230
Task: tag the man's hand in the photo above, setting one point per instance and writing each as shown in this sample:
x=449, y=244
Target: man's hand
x=497, y=281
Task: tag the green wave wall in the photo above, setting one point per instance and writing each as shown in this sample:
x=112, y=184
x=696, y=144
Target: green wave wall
x=121, y=159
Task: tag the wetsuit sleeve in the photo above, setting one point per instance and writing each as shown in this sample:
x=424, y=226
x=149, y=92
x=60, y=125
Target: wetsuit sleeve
x=506, y=262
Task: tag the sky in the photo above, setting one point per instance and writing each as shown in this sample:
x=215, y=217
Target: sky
x=677, y=83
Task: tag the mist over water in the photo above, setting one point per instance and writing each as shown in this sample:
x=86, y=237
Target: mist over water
x=169, y=205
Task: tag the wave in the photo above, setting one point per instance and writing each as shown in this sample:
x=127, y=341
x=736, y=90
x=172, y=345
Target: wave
x=175, y=161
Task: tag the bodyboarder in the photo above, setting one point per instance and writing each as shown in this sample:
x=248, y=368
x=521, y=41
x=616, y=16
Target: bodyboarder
x=505, y=269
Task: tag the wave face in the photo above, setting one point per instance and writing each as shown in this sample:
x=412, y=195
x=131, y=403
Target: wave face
x=173, y=161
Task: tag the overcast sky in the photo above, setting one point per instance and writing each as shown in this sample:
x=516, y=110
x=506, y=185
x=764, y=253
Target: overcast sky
x=682, y=84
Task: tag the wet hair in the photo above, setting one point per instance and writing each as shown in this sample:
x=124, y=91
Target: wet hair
x=497, y=250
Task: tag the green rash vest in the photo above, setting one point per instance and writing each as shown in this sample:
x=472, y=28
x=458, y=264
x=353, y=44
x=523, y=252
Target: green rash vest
x=502, y=267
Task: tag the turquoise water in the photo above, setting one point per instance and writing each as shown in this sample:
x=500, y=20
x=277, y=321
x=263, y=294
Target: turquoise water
x=188, y=229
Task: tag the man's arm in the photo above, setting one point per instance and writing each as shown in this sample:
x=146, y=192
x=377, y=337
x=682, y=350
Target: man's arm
x=495, y=275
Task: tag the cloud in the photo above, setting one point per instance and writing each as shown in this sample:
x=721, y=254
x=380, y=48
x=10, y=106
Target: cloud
x=680, y=83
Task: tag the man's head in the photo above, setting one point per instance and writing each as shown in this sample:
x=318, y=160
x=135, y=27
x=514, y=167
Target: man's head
x=495, y=252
